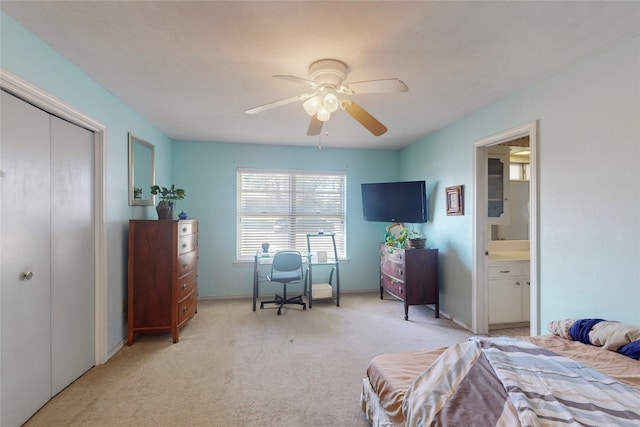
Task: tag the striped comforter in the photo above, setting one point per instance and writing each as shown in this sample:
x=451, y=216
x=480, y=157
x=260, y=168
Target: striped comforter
x=503, y=381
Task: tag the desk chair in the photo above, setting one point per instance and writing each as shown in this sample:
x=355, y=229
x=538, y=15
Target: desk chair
x=286, y=268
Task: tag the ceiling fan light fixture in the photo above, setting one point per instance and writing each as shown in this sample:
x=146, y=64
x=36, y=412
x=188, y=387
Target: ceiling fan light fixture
x=329, y=92
x=330, y=102
x=323, y=114
x=312, y=105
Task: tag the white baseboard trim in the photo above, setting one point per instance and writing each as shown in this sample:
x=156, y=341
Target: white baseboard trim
x=445, y=315
x=115, y=349
x=229, y=297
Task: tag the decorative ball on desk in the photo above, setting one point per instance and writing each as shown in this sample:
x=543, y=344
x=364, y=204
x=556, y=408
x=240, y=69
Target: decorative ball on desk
x=182, y=215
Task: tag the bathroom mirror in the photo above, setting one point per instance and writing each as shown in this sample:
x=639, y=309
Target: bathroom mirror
x=141, y=171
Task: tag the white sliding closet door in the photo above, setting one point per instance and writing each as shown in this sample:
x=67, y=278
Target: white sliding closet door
x=47, y=257
x=72, y=249
x=26, y=241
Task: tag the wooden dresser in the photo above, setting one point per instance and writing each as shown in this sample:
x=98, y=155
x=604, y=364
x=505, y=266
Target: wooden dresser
x=410, y=275
x=163, y=280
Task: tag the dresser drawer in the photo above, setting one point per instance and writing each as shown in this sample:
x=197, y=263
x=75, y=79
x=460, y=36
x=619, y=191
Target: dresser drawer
x=187, y=243
x=392, y=268
x=186, y=285
x=187, y=262
x=393, y=286
x=391, y=253
x=187, y=307
x=187, y=227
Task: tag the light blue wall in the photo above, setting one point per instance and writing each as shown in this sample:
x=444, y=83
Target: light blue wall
x=207, y=171
x=589, y=188
x=444, y=160
x=23, y=54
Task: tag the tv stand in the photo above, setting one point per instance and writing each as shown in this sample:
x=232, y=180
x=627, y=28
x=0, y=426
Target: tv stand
x=410, y=275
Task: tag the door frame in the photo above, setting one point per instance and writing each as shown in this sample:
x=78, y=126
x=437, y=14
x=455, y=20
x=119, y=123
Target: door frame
x=479, y=292
x=41, y=99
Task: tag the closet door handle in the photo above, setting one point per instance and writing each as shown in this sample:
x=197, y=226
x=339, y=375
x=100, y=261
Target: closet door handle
x=26, y=276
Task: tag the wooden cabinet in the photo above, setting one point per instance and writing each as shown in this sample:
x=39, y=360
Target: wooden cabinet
x=410, y=275
x=498, y=185
x=163, y=280
x=509, y=288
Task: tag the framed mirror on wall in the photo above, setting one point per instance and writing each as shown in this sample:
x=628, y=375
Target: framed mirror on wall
x=141, y=171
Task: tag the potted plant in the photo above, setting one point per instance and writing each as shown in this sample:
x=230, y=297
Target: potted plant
x=168, y=197
x=415, y=240
x=137, y=193
x=395, y=240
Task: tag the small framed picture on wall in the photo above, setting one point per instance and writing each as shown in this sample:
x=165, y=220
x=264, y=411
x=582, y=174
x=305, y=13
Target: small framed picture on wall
x=454, y=200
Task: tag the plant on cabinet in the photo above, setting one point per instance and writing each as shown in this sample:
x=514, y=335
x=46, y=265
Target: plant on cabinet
x=168, y=197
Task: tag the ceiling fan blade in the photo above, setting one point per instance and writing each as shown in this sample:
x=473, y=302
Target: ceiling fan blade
x=275, y=104
x=375, y=86
x=365, y=119
x=313, y=85
x=315, y=126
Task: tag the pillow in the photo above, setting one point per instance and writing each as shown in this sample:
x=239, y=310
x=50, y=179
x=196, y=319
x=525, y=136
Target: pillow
x=613, y=335
x=561, y=328
x=631, y=350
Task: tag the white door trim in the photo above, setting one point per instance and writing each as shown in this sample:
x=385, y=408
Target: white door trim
x=41, y=99
x=479, y=292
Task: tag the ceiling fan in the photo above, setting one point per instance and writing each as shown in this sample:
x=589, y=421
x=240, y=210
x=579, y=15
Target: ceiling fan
x=330, y=92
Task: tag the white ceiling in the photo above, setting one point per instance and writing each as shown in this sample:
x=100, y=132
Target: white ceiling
x=193, y=67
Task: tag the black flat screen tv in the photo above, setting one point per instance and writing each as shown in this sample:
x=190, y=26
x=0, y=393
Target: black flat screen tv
x=395, y=202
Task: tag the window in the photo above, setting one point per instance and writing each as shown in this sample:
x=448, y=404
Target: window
x=519, y=171
x=281, y=206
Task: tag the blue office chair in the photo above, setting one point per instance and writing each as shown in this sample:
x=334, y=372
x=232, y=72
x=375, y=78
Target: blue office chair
x=286, y=268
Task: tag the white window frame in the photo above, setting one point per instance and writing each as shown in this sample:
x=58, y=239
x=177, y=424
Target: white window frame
x=290, y=204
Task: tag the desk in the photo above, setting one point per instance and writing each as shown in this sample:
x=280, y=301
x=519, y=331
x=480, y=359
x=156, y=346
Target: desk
x=262, y=259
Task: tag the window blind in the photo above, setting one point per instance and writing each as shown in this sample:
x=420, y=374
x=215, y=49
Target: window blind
x=281, y=206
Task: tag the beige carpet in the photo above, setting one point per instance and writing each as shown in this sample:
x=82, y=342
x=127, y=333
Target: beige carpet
x=234, y=367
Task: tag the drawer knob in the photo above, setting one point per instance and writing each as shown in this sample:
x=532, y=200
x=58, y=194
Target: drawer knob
x=400, y=271
x=184, y=286
x=184, y=229
x=518, y=283
x=185, y=265
x=26, y=276
x=184, y=245
x=184, y=309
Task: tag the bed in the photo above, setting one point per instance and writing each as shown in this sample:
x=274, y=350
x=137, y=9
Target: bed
x=585, y=372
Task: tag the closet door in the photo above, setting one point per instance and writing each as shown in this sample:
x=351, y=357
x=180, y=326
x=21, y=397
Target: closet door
x=72, y=249
x=47, y=257
x=25, y=260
